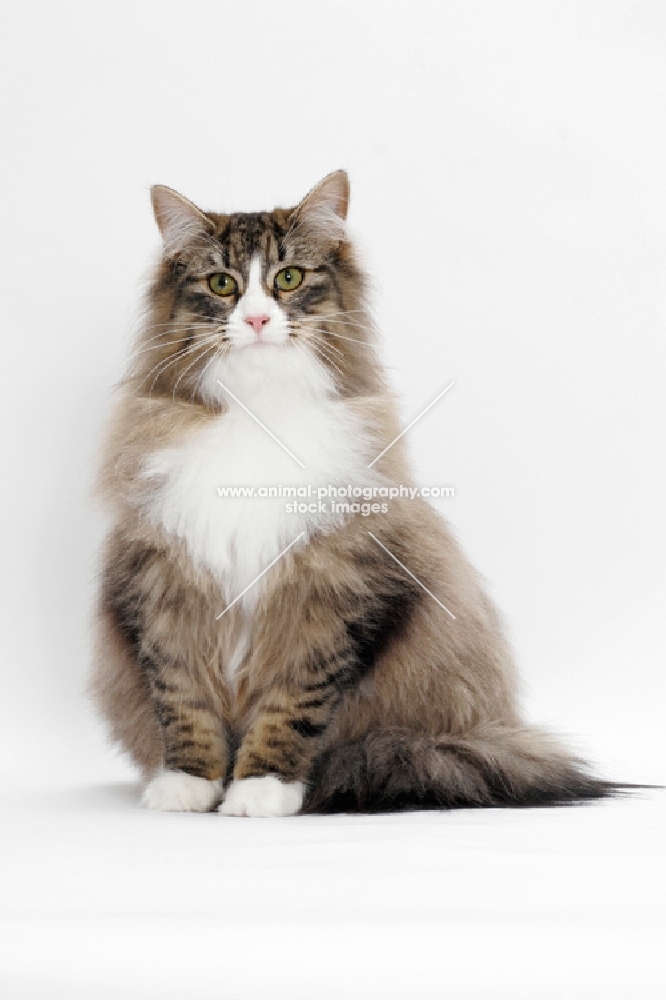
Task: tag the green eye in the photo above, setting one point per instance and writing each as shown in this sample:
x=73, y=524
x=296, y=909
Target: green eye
x=222, y=284
x=288, y=278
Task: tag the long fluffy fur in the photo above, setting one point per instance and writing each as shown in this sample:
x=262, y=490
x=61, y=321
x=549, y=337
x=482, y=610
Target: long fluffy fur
x=339, y=674
x=491, y=765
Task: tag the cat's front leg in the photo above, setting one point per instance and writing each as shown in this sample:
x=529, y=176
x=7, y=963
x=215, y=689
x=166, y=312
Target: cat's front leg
x=275, y=759
x=338, y=625
x=268, y=795
x=195, y=752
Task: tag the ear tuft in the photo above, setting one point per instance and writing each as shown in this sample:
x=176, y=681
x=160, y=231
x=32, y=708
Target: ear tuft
x=178, y=220
x=323, y=211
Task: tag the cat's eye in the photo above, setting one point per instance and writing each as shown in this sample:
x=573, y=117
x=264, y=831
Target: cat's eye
x=288, y=279
x=222, y=284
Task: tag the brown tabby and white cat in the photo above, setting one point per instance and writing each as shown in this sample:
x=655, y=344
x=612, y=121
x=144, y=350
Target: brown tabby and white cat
x=326, y=677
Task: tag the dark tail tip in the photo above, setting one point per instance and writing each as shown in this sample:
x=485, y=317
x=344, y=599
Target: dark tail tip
x=395, y=770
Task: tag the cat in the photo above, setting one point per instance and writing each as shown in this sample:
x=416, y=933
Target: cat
x=270, y=658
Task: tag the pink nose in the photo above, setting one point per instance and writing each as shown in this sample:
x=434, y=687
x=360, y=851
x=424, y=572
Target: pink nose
x=257, y=323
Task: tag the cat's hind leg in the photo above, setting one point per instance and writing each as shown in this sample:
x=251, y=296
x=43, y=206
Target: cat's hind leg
x=155, y=662
x=121, y=693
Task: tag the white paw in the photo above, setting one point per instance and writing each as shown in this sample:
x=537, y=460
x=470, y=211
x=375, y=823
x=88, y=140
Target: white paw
x=175, y=791
x=267, y=796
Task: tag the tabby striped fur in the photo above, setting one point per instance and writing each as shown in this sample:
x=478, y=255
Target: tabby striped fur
x=337, y=682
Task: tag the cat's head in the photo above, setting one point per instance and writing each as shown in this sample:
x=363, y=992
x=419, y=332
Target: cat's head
x=263, y=295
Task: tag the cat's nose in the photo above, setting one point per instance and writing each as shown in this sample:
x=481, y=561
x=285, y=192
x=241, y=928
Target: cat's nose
x=257, y=322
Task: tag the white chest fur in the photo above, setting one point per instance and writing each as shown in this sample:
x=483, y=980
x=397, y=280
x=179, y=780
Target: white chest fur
x=238, y=537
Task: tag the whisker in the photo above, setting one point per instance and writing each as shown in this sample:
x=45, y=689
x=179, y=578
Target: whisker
x=340, y=315
x=172, y=328
x=321, y=359
x=323, y=330
x=156, y=347
x=319, y=350
x=181, y=324
x=204, y=352
x=329, y=347
x=302, y=349
x=186, y=334
x=173, y=324
x=354, y=324
x=225, y=347
x=161, y=366
x=308, y=331
x=173, y=356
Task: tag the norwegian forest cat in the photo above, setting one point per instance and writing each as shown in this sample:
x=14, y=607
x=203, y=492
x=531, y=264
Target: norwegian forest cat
x=271, y=661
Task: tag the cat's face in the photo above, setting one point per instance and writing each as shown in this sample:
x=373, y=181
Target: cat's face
x=272, y=294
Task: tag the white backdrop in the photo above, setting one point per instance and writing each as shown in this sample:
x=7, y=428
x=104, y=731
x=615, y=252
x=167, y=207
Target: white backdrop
x=508, y=168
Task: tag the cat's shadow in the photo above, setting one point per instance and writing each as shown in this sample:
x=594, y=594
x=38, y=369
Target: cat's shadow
x=119, y=796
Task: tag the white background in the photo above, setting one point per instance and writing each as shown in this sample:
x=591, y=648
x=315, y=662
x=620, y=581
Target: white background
x=508, y=169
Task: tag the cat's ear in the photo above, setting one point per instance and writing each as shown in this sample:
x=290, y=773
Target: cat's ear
x=178, y=220
x=323, y=211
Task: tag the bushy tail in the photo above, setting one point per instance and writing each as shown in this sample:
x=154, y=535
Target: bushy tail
x=492, y=765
